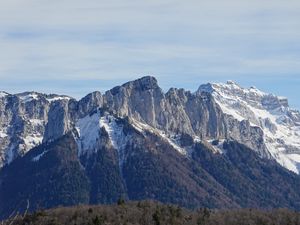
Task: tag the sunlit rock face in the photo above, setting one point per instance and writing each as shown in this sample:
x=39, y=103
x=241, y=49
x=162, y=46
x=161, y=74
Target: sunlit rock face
x=261, y=121
x=275, y=120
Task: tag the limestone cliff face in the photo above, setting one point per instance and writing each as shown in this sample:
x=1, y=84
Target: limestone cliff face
x=59, y=120
x=209, y=149
x=267, y=124
x=177, y=111
x=22, y=124
x=180, y=111
x=28, y=119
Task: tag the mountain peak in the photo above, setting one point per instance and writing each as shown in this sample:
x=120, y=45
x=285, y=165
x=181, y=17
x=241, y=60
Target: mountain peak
x=141, y=84
x=231, y=82
x=231, y=88
x=144, y=83
x=3, y=94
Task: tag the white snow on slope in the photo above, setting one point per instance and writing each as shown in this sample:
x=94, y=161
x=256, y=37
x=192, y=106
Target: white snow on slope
x=38, y=157
x=280, y=124
x=3, y=94
x=30, y=137
x=89, y=127
x=10, y=154
x=217, y=145
x=28, y=97
x=3, y=134
x=116, y=135
x=31, y=141
x=88, y=130
x=171, y=139
x=36, y=122
x=33, y=136
x=58, y=98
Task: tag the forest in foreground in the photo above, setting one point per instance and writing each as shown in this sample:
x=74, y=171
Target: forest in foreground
x=153, y=213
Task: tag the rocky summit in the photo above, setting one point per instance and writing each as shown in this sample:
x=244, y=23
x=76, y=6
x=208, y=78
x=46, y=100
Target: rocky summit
x=222, y=146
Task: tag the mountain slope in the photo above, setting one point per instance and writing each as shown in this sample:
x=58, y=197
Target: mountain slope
x=24, y=122
x=49, y=175
x=280, y=124
x=213, y=148
x=150, y=167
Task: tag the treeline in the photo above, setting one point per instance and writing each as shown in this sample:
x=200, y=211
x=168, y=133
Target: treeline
x=153, y=213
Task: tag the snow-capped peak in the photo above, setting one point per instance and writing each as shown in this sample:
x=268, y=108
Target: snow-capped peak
x=232, y=88
x=28, y=96
x=280, y=124
x=3, y=94
x=53, y=98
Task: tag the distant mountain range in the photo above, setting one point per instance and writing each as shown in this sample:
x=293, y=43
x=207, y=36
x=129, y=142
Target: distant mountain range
x=223, y=146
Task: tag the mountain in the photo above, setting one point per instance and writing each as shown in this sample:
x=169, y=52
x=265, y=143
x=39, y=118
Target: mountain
x=221, y=147
x=280, y=124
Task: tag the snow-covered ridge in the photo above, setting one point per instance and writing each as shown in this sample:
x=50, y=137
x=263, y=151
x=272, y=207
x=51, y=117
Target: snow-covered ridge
x=30, y=96
x=88, y=129
x=3, y=94
x=38, y=157
x=171, y=139
x=280, y=124
x=58, y=98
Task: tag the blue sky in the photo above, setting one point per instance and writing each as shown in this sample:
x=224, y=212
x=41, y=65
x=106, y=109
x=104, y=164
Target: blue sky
x=75, y=47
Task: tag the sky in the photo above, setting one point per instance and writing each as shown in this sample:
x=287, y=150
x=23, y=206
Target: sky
x=74, y=47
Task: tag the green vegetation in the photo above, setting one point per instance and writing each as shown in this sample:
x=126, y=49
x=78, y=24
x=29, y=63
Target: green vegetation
x=153, y=213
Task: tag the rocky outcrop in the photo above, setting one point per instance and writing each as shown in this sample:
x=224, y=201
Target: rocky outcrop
x=214, y=112
x=28, y=118
x=211, y=148
x=267, y=124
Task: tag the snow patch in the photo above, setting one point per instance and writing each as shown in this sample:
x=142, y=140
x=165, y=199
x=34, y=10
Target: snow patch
x=171, y=139
x=88, y=130
x=10, y=154
x=32, y=141
x=29, y=97
x=217, y=145
x=58, y=98
x=116, y=135
x=3, y=94
x=36, y=122
x=38, y=157
x=173, y=142
x=3, y=134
